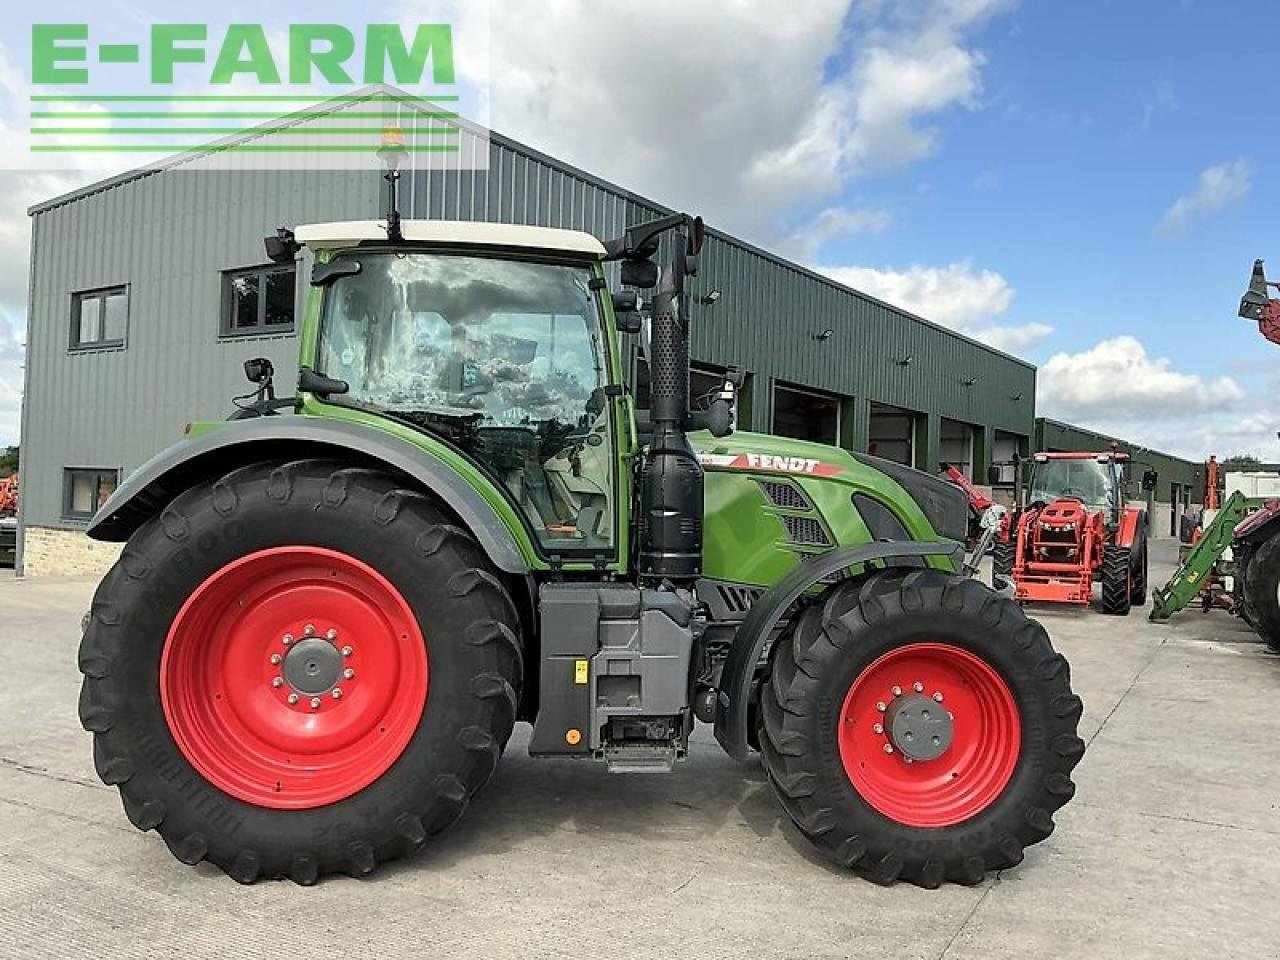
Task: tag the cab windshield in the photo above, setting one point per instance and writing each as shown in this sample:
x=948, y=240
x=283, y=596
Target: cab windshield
x=502, y=358
x=1086, y=480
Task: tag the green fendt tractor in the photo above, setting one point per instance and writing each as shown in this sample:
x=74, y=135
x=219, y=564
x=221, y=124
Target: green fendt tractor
x=332, y=609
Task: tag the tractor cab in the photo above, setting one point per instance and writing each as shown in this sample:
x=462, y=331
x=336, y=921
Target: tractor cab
x=1095, y=480
x=494, y=339
x=1074, y=530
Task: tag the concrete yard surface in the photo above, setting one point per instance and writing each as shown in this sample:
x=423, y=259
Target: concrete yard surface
x=1171, y=848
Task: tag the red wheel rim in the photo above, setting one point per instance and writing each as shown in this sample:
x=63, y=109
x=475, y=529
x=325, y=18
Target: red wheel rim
x=973, y=768
x=245, y=670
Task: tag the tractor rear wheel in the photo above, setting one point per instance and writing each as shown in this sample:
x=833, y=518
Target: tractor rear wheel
x=1141, y=562
x=1262, y=590
x=1117, y=580
x=299, y=669
x=917, y=726
x=1001, y=562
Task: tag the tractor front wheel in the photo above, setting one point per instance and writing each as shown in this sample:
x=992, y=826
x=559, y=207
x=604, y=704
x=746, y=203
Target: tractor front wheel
x=917, y=726
x=1262, y=590
x=299, y=669
x=1117, y=580
x=1002, y=552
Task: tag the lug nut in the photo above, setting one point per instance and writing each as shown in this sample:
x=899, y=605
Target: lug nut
x=315, y=703
x=348, y=674
x=880, y=706
x=293, y=698
x=888, y=748
x=878, y=728
x=331, y=634
x=918, y=687
x=897, y=690
x=337, y=693
x=309, y=629
x=276, y=658
x=346, y=651
x=277, y=681
x=938, y=696
x=288, y=639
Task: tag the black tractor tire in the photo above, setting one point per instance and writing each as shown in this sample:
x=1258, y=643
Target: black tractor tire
x=1141, y=569
x=1261, y=590
x=823, y=654
x=1117, y=580
x=1002, y=553
x=473, y=657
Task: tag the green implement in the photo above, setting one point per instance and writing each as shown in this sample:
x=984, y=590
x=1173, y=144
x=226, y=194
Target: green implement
x=1191, y=576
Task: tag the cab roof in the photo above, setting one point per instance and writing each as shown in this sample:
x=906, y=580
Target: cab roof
x=465, y=233
x=1084, y=455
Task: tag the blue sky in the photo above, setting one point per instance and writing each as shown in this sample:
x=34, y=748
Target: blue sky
x=1096, y=116
x=1084, y=183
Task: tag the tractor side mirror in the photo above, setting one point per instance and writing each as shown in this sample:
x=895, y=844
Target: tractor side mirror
x=1149, y=479
x=720, y=415
x=283, y=247
x=993, y=474
x=626, y=311
x=640, y=273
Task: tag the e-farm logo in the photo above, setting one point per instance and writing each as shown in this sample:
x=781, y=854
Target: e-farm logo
x=314, y=88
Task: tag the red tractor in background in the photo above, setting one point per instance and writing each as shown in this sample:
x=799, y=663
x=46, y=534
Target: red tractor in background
x=8, y=520
x=1076, y=528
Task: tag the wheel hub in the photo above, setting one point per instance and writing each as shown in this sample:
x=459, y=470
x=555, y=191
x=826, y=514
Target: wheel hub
x=918, y=727
x=929, y=734
x=293, y=677
x=313, y=666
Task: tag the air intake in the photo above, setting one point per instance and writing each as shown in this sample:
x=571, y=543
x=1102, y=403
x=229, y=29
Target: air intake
x=785, y=495
x=806, y=530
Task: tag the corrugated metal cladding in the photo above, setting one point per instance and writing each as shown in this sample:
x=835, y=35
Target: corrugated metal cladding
x=1056, y=436
x=168, y=234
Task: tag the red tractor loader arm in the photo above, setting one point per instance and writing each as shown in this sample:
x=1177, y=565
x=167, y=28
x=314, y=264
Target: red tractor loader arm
x=1256, y=305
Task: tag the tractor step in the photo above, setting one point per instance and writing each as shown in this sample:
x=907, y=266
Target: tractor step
x=641, y=758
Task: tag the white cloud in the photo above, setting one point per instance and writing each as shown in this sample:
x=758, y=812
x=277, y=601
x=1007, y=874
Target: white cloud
x=805, y=243
x=725, y=108
x=1219, y=187
x=1117, y=380
x=1116, y=387
x=956, y=296
x=1015, y=340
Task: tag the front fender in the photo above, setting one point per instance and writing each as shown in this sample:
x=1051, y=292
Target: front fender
x=738, y=675
x=153, y=485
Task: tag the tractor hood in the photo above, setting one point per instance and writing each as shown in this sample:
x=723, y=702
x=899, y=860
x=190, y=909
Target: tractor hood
x=943, y=503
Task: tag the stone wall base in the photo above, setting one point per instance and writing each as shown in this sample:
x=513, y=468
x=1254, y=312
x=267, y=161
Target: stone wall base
x=49, y=552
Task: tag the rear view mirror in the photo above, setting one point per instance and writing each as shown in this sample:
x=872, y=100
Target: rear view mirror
x=626, y=311
x=993, y=474
x=283, y=247
x=1149, y=479
x=640, y=273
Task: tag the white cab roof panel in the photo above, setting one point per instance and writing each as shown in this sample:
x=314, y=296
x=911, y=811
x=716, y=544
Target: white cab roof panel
x=453, y=232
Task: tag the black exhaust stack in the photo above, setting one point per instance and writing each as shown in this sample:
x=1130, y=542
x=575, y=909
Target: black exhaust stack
x=670, y=535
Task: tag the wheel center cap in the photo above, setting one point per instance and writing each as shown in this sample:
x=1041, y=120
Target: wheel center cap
x=919, y=727
x=312, y=665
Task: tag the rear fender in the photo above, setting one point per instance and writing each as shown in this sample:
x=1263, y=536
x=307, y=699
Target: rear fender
x=1262, y=524
x=151, y=487
x=1133, y=527
x=738, y=676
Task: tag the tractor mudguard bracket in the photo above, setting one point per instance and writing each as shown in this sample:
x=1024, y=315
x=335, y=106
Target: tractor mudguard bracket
x=738, y=675
x=236, y=443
